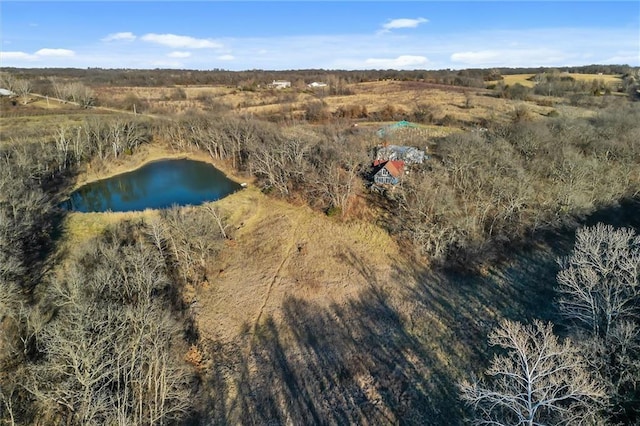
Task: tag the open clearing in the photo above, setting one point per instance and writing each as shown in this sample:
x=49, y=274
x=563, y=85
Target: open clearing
x=282, y=251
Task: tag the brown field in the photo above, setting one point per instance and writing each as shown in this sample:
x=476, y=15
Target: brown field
x=523, y=79
x=302, y=253
x=281, y=251
x=442, y=101
x=297, y=296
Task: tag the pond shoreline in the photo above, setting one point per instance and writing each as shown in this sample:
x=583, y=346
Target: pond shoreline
x=158, y=184
x=153, y=153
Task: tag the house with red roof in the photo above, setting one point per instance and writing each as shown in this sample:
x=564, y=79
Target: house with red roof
x=389, y=172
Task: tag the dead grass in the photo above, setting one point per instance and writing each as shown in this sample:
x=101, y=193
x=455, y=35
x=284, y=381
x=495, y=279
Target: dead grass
x=513, y=79
x=303, y=314
x=81, y=227
x=523, y=79
x=281, y=251
x=39, y=118
x=607, y=78
x=375, y=96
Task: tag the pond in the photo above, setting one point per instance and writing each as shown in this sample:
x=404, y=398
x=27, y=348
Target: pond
x=156, y=185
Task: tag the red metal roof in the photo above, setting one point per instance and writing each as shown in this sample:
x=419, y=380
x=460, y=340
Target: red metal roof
x=395, y=168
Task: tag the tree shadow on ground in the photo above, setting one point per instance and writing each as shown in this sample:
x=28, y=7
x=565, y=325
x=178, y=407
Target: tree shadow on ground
x=393, y=355
x=344, y=365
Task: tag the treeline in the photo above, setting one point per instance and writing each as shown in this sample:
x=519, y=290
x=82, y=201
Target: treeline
x=473, y=77
x=497, y=186
x=560, y=85
x=53, y=353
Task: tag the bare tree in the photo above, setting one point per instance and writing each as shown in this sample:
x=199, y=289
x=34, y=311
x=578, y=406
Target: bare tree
x=23, y=88
x=599, y=288
x=75, y=92
x=600, y=280
x=111, y=355
x=215, y=214
x=193, y=238
x=538, y=380
x=8, y=81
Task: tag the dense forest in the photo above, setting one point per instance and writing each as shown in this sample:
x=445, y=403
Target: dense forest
x=97, y=334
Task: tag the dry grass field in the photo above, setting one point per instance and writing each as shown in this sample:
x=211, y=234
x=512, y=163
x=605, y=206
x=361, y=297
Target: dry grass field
x=525, y=79
x=281, y=251
x=466, y=105
x=303, y=308
x=36, y=118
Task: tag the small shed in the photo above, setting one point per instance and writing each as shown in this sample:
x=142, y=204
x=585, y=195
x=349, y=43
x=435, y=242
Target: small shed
x=389, y=172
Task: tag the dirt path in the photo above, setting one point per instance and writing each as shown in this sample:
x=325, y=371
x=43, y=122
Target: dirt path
x=276, y=275
x=284, y=252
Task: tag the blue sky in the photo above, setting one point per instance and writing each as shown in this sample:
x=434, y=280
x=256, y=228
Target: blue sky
x=238, y=35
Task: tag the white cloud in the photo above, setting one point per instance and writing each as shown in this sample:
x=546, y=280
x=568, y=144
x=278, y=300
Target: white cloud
x=60, y=53
x=477, y=57
x=39, y=55
x=178, y=54
x=623, y=58
x=123, y=36
x=402, y=61
x=181, y=42
x=402, y=23
x=8, y=56
x=490, y=48
x=511, y=57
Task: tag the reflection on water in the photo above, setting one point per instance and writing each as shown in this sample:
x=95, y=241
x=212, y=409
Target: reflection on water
x=156, y=185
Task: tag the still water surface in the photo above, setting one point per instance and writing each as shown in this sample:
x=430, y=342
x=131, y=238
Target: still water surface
x=156, y=185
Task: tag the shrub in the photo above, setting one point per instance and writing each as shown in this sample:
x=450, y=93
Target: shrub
x=334, y=211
